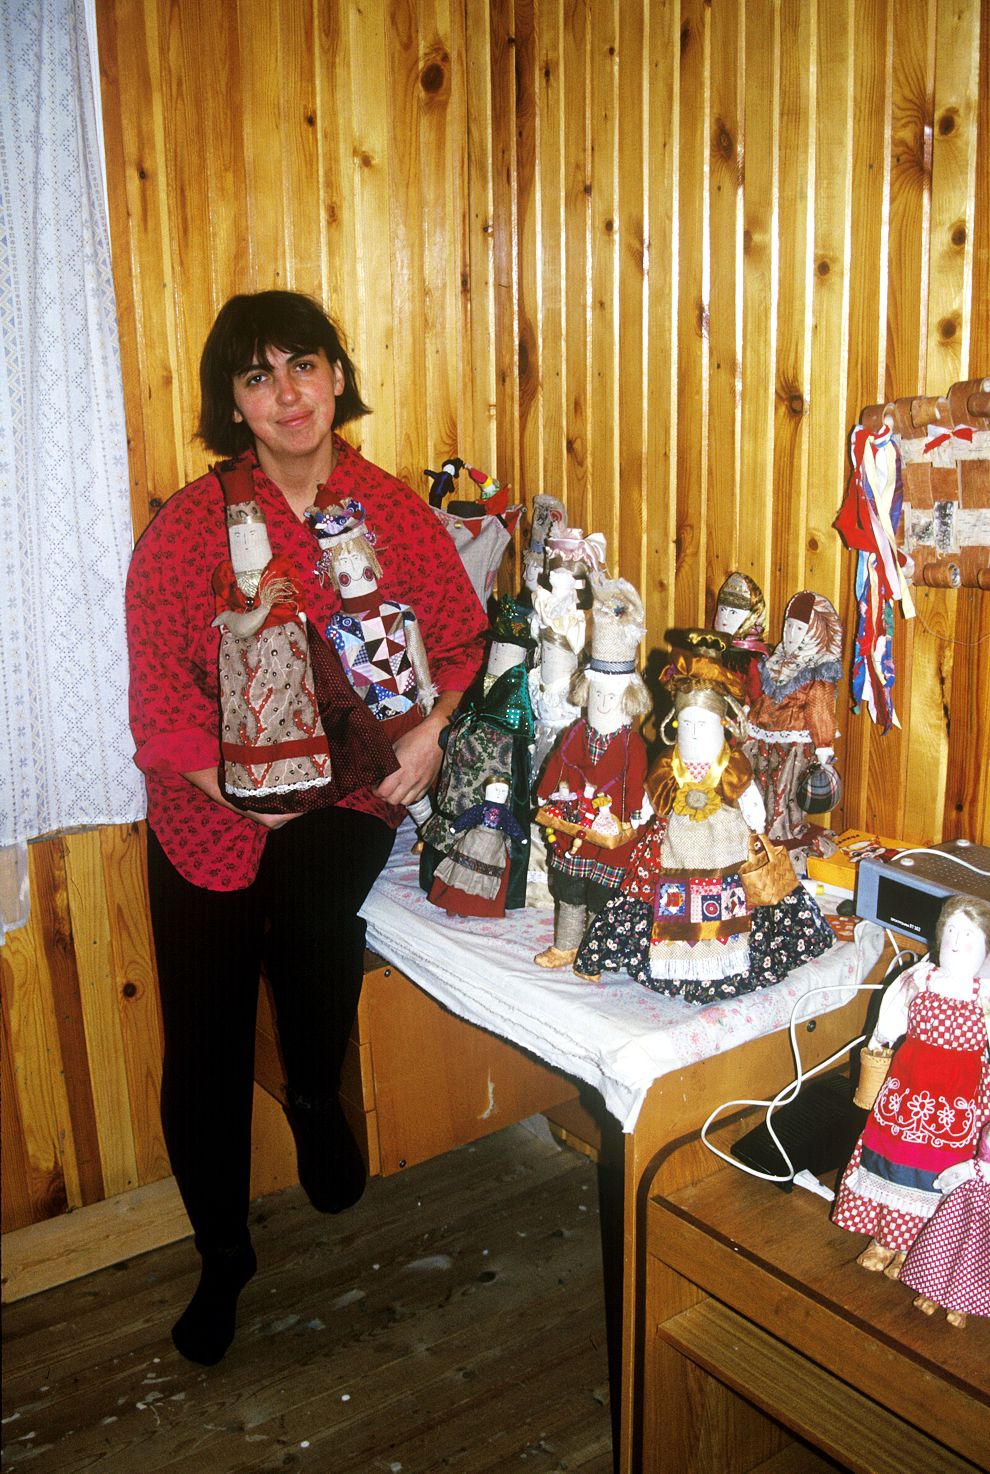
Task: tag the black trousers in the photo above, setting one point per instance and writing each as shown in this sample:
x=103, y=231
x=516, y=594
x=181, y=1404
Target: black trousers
x=299, y=918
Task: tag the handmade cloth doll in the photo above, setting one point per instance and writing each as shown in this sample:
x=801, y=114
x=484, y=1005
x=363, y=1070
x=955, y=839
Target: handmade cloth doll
x=949, y=1261
x=562, y=632
x=680, y=923
x=472, y=880
x=481, y=530
x=792, y=721
x=285, y=704
x=740, y=613
x=935, y=1099
x=491, y=733
x=378, y=640
x=601, y=756
x=583, y=555
x=547, y=518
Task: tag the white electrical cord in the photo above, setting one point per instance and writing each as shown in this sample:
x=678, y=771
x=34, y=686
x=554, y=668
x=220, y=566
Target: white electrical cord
x=956, y=860
x=789, y=1092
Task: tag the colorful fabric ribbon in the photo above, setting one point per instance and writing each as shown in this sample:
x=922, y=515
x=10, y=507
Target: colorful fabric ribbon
x=868, y=523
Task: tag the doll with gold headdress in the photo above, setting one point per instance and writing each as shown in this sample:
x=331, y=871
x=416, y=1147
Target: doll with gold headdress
x=740, y=614
x=681, y=923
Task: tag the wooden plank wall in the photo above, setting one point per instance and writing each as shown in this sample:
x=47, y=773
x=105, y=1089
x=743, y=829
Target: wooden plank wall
x=653, y=257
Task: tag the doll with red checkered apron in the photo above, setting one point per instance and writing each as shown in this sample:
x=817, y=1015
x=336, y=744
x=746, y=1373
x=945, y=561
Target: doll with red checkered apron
x=935, y=1099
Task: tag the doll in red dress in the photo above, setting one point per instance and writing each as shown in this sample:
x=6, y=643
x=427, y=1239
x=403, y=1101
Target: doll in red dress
x=935, y=1100
x=949, y=1261
x=604, y=753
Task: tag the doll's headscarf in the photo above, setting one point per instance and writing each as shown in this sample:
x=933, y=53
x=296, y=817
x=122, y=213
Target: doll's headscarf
x=820, y=649
x=340, y=527
x=739, y=591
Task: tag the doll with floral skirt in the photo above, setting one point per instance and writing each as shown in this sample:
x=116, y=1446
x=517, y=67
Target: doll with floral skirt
x=472, y=880
x=935, y=1100
x=949, y=1261
x=600, y=763
x=792, y=720
x=680, y=923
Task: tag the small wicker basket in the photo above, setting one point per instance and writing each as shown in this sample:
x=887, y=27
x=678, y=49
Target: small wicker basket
x=873, y=1067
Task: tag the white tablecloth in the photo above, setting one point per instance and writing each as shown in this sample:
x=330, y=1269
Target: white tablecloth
x=616, y=1035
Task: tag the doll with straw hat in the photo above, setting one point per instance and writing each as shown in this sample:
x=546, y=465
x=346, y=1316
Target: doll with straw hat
x=593, y=780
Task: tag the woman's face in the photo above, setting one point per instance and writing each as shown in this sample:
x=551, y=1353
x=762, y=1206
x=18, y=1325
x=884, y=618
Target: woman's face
x=963, y=947
x=699, y=734
x=288, y=401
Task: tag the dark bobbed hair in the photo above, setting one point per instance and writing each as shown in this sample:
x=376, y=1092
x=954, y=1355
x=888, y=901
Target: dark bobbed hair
x=245, y=328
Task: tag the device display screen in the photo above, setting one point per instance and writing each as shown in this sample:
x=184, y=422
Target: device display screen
x=907, y=909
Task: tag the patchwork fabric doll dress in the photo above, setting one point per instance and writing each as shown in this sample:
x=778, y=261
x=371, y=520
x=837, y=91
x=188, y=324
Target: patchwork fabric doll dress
x=491, y=733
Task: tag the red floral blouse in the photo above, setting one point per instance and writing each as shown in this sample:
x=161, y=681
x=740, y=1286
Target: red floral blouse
x=174, y=708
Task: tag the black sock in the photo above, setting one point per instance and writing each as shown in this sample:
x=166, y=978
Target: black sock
x=331, y=1168
x=205, y=1328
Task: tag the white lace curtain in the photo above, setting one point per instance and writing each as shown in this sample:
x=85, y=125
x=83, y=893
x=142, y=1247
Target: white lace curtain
x=65, y=529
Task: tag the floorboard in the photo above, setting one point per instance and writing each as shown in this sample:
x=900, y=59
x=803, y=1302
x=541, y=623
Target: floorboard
x=453, y=1321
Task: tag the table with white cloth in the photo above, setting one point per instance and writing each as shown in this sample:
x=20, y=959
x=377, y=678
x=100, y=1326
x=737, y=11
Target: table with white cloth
x=660, y=1064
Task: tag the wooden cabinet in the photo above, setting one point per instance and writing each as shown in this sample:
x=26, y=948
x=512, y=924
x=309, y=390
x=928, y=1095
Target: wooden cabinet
x=418, y=1080
x=761, y=1329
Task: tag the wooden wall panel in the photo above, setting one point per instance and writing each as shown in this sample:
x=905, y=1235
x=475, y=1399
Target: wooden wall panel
x=653, y=256
x=82, y=1040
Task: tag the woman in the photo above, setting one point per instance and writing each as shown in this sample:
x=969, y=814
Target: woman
x=231, y=891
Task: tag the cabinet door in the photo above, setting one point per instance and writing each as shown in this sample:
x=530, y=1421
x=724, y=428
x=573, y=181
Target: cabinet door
x=439, y=1081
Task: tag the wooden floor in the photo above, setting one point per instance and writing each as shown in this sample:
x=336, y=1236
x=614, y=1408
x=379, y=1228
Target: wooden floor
x=452, y=1320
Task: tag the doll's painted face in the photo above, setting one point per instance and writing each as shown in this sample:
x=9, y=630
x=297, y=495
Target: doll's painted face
x=353, y=573
x=794, y=632
x=547, y=519
x=963, y=948
x=728, y=618
x=497, y=793
x=699, y=734
x=532, y=568
x=603, y=708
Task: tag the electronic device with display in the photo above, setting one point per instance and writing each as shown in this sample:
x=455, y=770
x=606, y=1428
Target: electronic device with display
x=906, y=893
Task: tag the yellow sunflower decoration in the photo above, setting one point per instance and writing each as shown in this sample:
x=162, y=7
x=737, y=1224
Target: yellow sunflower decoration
x=698, y=800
